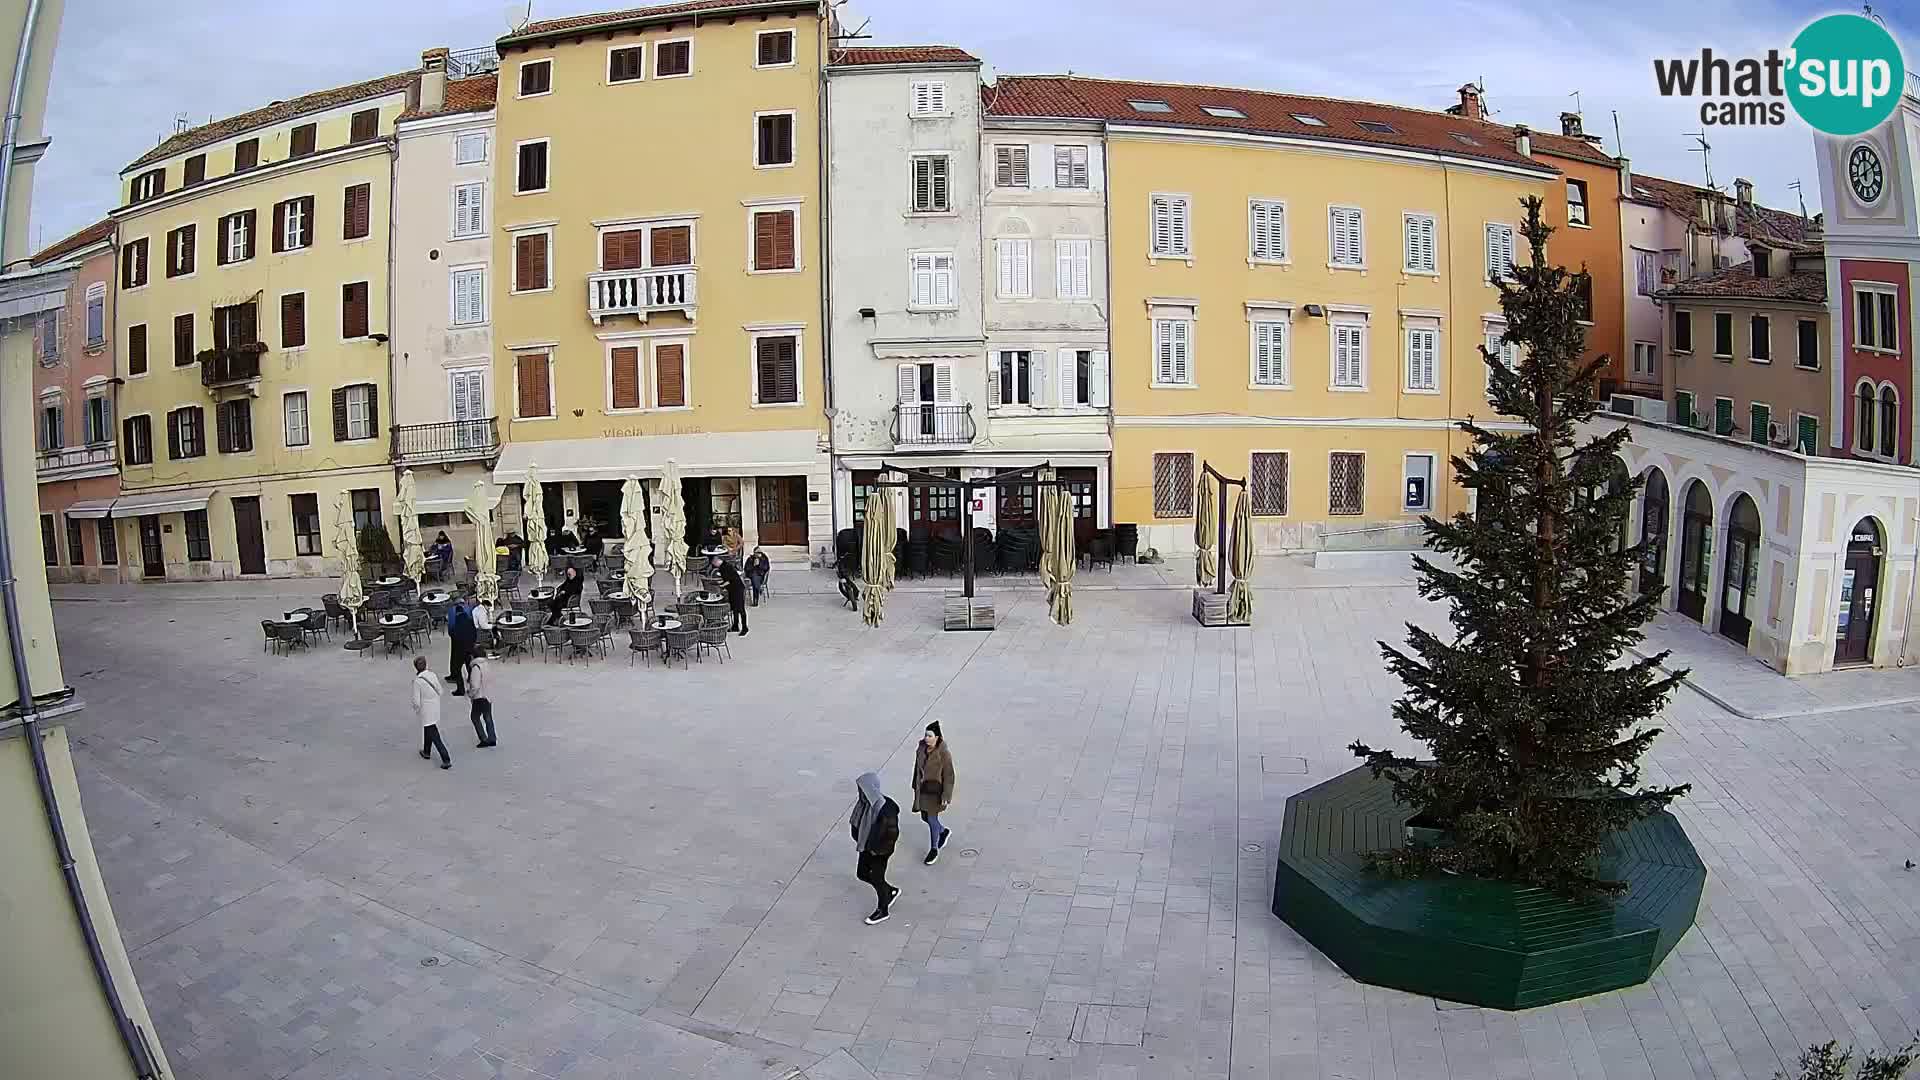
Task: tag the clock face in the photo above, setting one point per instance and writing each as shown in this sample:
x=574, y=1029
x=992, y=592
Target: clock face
x=1865, y=174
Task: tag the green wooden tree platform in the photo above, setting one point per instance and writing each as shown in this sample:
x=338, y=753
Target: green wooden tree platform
x=1481, y=942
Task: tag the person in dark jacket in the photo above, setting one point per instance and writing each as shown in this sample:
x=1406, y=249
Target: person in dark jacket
x=933, y=787
x=461, y=634
x=569, y=589
x=876, y=826
x=736, y=591
x=758, y=567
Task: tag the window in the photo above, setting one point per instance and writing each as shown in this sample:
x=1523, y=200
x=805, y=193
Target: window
x=1172, y=485
x=365, y=126
x=186, y=433
x=1418, y=498
x=1422, y=247
x=1308, y=119
x=1267, y=484
x=1010, y=167
x=536, y=78
x=293, y=224
x=773, y=142
x=532, y=174
x=1682, y=331
x=1267, y=230
x=470, y=149
x=235, y=324
x=50, y=338
x=137, y=349
x=96, y=314
x=469, y=296
x=1073, y=269
x=1350, y=355
x=1645, y=360
x=293, y=418
x=236, y=237
x=53, y=426
x=1583, y=298
x=133, y=264
x=773, y=48
x=148, y=185
x=1683, y=408
x=1423, y=359
x=293, y=320
x=97, y=421
x=627, y=65
x=623, y=377
x=195, y=170
x=246, y=154
x=353, y=309
x=1506, y=352
x=1015, y=258
x=136, y=440
x=76, y=543
x=930, y=191
x=1577, y=203
x=929, y=98
x=1172, y=355
x=1889, y=421
x=306, y=524
x=1083, y=377
x=1346, y=236
x=49, y=546
x=1170, y=225
x=1761, y=261
x=1375, y=126
x=1150, y=106
x=932, y=284
x=1762, y=331
x=1346, y=484
x=1863, y=421
x=356, y=412
x=233, y=426
x=533, y=386
x=1807, y=355
x=303, y=141
x=1723, y=334
x=1646, y=273
x=1759, y=419
x=366, y=508
x=109, y=542
x=1013, y=378
x=180, y=251
x=183, y=351
x=671, y=58
x=1464, y=140
x=469, y=209
x=1876, y=319
x=773, y=240
x=776, y=370
x=1272, y=349
x=356, y=212
x=670, y=376
x=530, y=262
x=1070, y=168
x=1807, y=434
x=1499, y=252
x=1224, y=112
x=1722, y=416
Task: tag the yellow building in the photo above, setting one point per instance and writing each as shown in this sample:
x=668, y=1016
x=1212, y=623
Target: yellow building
x=659, y=286
x=251, y=311
x=1300, y=288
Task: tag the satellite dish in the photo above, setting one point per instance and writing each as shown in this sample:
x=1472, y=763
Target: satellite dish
x=518, y=15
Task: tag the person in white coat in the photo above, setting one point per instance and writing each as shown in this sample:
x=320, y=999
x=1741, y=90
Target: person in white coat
x=426, y=709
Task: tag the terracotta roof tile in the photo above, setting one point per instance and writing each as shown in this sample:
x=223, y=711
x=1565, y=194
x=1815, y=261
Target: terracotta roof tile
x=92, y=234
x=1569, y=146
x=1803, y=286
x=605, y=18
x=901, y=54
x=1757, y=222
x=463, y=96
x=1264, y=112
x=208, y=134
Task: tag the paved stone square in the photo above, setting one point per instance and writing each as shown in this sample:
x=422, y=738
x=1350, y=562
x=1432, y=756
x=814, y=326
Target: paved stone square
x=652, y=877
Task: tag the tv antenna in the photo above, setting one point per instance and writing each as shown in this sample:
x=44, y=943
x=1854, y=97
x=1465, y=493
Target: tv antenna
x=181, y=123
x=1705, y=150
x=1576, y=102
x=1803, y=197
x=1619, y=144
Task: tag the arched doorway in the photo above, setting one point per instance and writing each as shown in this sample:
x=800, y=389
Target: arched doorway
x=1696, y=551
x=1617, y=484
x=1739, y=584
x=1859, y=587
x=1653, y=532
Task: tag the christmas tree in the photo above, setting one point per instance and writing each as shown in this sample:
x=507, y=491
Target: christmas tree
x=1534, y=725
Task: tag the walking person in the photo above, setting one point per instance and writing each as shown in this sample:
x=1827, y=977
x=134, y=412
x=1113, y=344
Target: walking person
x=758, y=567
x=933, y=787
x=461, y=635
x=876, y=826
x=426, y=709
x=568, y=590
x=480, y=693
x=736, y=591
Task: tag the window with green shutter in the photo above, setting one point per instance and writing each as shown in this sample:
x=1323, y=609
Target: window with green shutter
x=1683, y=408
x=1807, y=439
x=1762, y=419
x=1723, y=416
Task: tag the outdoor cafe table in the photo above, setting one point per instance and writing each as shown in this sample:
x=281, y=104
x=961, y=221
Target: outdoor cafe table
x=544, y=592
x=293, y=618
x=387, y=582
x=665, y=623
x=508, y=622
x=435, y=597
x=393, y=620
x=573, y=551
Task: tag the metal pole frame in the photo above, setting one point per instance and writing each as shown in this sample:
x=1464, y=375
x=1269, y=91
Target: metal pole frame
x=920, y=478
x=1225, y=482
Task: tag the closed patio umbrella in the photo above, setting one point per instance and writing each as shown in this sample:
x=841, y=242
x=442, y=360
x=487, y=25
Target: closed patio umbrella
x=1240, y=561
x=413, y=554
x=1057, y=557
x=479, y=509
x=876, y=554
x=672, y=538
x=638, y=549
x=353, y=596
x=533, y=508
x=1203, y=526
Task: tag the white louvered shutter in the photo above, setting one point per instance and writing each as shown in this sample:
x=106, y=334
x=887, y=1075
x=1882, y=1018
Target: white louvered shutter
x=1003, y=261
x=943, y=281
x=1163, y=351
x=1180, y=227
x=1429, y=244
x=1499, y=251
x=1023, y=267
x=1067, y=366
x=1346, y=358
x=943, y=384
x=922, y=280
x=1097, y=379
x=1037, y=378
x=993, y=380
x=1269, y=353
x=1267, y=222
x=1063, y=268
x=1422, y=359
x=909, y=375
x=1162, y=227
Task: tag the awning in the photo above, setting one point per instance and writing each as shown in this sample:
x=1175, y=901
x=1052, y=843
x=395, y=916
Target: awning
x=437, y=492
x=161, y=502
x=736, y=453
x=90, y=508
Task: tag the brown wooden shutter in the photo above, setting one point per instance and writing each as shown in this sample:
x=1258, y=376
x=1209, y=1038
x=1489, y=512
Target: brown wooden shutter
x=195, y=170
x=126, y=442
x=670, y=376
x=186, y=249
x=303, y=140
x=246, y=155
x=626, y=377
x=246, y=330
x=306, y=221
x=775, y=371
x=357, y=215
x=137, y=349
x=373, y=409
x=784, y=253
x=252, y=220
x=223, y=427
x=764, y=226
x=622, y=250
x=530, y=372
x=183, y=339
x=293, y=320
x=221, y=232
x=366, y=125
x=530, y=261
x=353, y=309
x=340, y=414
x=174, y=420
x=673, y=246
x=279, y=227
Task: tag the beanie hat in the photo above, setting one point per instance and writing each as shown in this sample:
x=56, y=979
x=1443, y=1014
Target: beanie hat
x=935, y=728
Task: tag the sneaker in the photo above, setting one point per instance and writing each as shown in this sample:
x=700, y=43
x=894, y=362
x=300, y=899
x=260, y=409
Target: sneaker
x=457, y=692
x=446, y=764
x=944, y=833
x=933, y=856
x=424, y=756
x=879, y=916
x=893, y=897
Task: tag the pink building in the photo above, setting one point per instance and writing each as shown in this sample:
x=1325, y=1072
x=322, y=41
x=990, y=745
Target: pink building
x=74, y=417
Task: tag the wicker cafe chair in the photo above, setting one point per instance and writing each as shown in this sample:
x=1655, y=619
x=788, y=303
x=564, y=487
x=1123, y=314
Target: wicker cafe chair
x=643, y=643
x=681, y=643
x=317, y=624
x=336, y=613
x=270, y=630
x=552, y=639
x=713, y=639
x=585, y=641
x=512, y=640
x=603, y=633
x=398, y=638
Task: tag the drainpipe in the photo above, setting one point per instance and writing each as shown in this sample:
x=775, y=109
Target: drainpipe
x=134, y=1041
x=826, y=265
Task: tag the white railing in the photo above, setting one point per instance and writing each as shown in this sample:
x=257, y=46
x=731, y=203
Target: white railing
x=640, y=292
x=94, y=459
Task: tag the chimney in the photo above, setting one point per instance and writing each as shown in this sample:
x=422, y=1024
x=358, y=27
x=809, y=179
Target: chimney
x=1626, y=177
x=433, y=80
x=1743, y=191
x=1570, y=125
x=1470, y=103
x=1522, y=140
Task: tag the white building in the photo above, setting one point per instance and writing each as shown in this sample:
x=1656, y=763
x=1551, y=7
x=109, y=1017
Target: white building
x=445, y=420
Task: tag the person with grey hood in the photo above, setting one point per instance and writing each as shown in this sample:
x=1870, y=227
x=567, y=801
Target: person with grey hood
x=876, y=827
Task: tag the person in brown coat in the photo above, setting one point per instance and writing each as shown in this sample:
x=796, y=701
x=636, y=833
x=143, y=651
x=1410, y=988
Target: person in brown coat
x=933, y=788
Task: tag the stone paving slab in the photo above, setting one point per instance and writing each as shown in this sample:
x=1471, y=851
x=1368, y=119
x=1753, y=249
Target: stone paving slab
x=1726, y=675
x=652, y=877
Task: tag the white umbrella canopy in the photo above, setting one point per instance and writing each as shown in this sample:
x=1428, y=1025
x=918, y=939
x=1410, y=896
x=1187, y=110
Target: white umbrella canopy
x=1240, y=561
x=673, y=524
x=638, y=549
x=353, y=595
x=1057, y=557
x=479, y=510
x=413, y=553
x=876, y=554
x=1203, y=526
x=533, y=507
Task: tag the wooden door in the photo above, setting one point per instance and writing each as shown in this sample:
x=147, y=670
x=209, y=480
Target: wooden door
x=1653, y=539
x=781, y=510
x=1696, y=555
x=1737, y=586
x=1859, y=580
x=247, y=535
x=152, y=563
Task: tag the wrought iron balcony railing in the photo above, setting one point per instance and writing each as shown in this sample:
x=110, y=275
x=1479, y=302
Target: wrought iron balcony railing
x=455, y=440
x=232, y=364
x=933, y=425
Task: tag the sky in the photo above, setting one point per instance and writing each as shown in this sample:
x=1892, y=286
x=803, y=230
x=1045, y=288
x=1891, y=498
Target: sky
x=126, y=68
